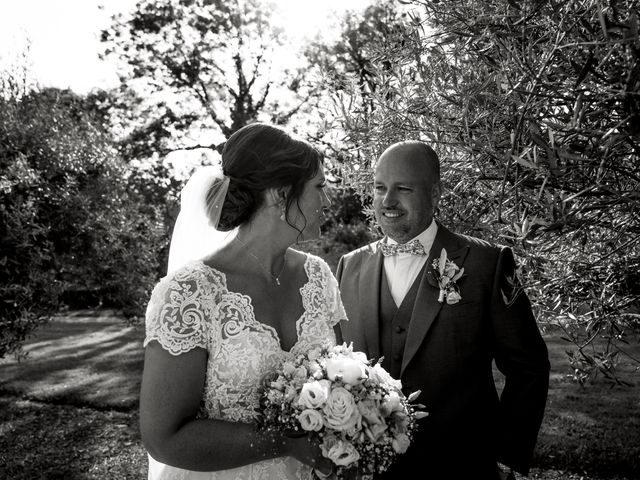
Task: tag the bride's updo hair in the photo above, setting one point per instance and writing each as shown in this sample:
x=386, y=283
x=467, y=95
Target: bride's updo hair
x=258, y=157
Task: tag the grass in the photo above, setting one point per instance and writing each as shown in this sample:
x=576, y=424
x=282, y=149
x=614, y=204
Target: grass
x=69, y=410
x=593, y=429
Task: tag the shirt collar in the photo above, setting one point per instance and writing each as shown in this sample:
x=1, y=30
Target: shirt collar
x=425, y=238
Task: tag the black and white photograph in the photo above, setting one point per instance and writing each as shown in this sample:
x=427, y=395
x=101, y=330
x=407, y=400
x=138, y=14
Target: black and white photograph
x=320, y=240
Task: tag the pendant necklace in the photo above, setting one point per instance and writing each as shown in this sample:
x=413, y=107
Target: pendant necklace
x=276, y=278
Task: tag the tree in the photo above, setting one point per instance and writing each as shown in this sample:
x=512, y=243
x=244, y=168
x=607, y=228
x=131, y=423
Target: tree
x=68, y=220
x=348, y=64
x=208, y=67
x=350, y=58
x=534, y=109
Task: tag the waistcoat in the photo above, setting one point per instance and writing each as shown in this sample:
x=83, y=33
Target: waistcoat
x=394, y=322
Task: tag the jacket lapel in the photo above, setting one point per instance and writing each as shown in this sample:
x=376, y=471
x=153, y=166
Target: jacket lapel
x=369, y=297
x=427, y=307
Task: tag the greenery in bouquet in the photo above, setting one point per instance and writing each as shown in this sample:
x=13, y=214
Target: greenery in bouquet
x=349, y=404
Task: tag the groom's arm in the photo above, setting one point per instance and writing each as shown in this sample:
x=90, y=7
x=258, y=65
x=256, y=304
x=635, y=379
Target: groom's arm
x=521, y=355
x=338, y=329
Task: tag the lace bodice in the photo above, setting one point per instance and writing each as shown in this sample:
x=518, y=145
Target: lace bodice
x=192, y=307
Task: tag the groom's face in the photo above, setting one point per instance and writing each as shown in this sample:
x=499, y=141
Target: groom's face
x=405, y=192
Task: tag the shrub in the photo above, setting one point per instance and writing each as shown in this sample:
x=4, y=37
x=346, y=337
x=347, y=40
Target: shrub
x=68, y=219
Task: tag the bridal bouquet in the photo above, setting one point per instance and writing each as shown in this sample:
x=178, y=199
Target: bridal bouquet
x=355, y=409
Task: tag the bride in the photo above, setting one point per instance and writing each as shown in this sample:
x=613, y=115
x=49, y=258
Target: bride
x=237, y=301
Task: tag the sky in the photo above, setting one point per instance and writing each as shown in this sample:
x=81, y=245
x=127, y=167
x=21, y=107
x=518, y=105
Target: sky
x=63, y=35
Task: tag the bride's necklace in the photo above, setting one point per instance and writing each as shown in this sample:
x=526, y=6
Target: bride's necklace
x=276, y=278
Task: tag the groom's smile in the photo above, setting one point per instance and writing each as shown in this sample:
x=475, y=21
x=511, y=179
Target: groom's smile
x=393, y=214
x=406, y=193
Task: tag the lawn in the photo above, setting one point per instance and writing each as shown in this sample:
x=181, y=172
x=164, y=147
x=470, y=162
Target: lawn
x=69, y=410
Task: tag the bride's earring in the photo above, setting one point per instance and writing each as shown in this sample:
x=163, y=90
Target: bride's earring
x=283, y=214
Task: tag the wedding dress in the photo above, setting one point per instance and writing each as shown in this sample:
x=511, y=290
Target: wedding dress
x=192, y=307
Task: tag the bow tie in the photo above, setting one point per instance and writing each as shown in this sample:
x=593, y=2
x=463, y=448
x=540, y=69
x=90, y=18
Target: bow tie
x=414, y=247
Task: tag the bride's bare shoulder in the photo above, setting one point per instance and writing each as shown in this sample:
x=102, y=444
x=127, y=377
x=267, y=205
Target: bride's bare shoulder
x=296, y=257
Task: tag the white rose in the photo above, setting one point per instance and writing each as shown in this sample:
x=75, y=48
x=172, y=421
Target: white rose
x=347, y=351
x=380, y=376
x=314, y=394
x=392, y=403
x=341, y=412
x=400, y=443
x=310, y=420
x=360, y=356
x=348, y=370
x=453, y=297
x=340, y=452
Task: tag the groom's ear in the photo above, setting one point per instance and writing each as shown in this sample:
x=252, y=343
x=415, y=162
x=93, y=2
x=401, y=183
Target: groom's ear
x=436, y=193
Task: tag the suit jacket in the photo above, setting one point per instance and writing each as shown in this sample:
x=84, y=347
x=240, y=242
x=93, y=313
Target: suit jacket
x=448, y=356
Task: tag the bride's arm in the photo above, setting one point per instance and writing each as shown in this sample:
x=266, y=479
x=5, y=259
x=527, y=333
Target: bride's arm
x=172, y=387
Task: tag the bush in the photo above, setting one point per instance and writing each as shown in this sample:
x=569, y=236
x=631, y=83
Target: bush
x=28, y=285
x=68, y=218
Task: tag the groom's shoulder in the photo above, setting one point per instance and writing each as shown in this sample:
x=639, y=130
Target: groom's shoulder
x=476, y=243
x=362, y=252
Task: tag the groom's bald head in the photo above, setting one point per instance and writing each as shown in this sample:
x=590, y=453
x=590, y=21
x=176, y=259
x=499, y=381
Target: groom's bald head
x=419, y=154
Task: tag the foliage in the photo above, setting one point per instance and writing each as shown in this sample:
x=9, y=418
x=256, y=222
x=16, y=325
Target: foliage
x=347, y=64
x=68, y=221
x=346, y=207
x=349, y=59
x=200, y=67
x=534, y=110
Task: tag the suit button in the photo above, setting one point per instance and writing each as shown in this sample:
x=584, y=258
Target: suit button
x=397, y=357
x=399, y=329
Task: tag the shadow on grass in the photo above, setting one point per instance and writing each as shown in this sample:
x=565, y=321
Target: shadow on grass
x=80, y=359
x=595, y=428
x=53, y=442
x=590, y=430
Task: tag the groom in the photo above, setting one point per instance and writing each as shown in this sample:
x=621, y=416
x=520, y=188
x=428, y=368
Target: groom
x=441, y=336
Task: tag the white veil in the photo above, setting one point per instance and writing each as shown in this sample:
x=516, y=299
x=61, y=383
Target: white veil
x=195, y=233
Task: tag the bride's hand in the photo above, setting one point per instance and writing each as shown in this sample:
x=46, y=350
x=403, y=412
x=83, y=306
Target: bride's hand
x=307, y=451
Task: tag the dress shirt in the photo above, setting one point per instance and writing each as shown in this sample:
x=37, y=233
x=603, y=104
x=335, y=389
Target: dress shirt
x=402, y=269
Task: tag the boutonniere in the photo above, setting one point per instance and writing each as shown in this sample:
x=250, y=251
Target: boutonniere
x=447, y=274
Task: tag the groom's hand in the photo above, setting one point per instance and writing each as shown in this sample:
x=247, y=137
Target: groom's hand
x=508, y=475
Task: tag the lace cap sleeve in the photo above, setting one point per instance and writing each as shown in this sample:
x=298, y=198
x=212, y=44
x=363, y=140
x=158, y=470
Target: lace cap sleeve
x=336, y=312
x=175, y=315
